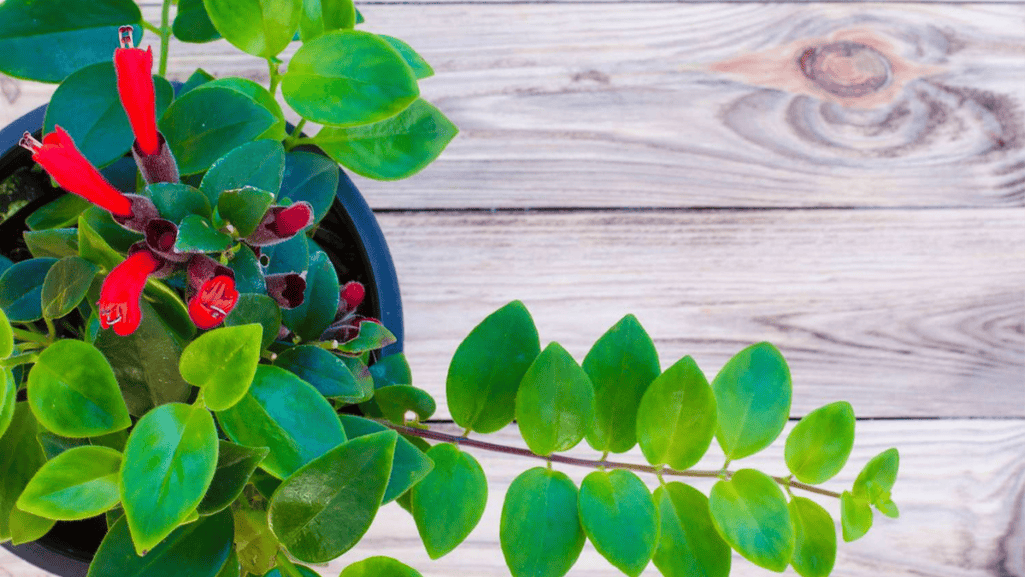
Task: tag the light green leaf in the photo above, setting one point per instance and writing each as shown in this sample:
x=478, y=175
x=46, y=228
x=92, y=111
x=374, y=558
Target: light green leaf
x=8, y=399
x=379, y=567
x=876, y=479
x=420, y=66
x=65, y=285
x=60, y=212
x=258, y=27
x=855, y=516
x=753, y=395
x=26, y=527
x=619, y=516
x=6, y=340
x=815, y=538
x=77, y=484
x=244, y=208
x=540, y=528
x=20, y=456
x=223, y=363
x=54, y=243
x=395, y=401
x=750, y=512
x=818, y=446
x=676, y=417
x=255, y=543
x=449, y=502
x=688, y=543
x=320, y=16
x=555, y=402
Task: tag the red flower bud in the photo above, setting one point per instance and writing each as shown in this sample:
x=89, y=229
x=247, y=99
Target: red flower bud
x=59, y=156
x=121, y=290
x=350, y=297
x=281, y=223
x=213, y=301
x=134, y=68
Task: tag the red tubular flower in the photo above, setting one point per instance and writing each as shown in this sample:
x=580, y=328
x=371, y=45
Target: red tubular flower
x=59, y=156
x=213, y=301
x=119, y=296
x=134, y=68
x=281, y=223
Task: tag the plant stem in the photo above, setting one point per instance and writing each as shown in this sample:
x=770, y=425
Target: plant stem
x=19, y=360
x=50, y=329
x=150, y=27
x=291, y=143
x=296, y=135
x=275, y=78
x=288, y=569
x=29, y=336
x=165, y=35
x=658, y=471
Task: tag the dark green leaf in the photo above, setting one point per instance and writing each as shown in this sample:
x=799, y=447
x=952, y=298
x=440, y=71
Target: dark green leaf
x=372, y=336
x=265, y=484
x=244, y=208
x=876, y=479
x=348, y=78
x=235, y=465
x=320, y=16
x=286, y=414
x=74, y=33
x=77, y=484
x=409, y=466
x=176, y=201
x=21, y=287
x=449, y=502
x=293, y=255
x=688, y=543
x=53, y=243
x=27, y=527
x=855, y=516
x=818, y=446
x=258, y=27
x=320, y=300
x=169, y=463
x=261, y=96
x=326, y=507
x=115, y=440
x=54, y=445
x=815, y=538
x=113, y=516
x=395, y=401
x=420, y=66
x=249, y=279
x=231, y=567
x=379, y=567
x=751, y=514
x=65, y=285
x=223, y=362
x=540, y=528
x=259, y=165
x=391, y=370
x=359, y=371
x=61, y=212
x=676, y=417
x=208, y=122
x=198, y=78
x=555, y=402
x=118, y=237
x=312, y=178
x=324, y=371
x=753, y=395
x=254, y=308
x=618, y=515
x=170, y=308
x=93, y=248
x=394, y=148
x=74, y=393
x=191, y=24
x=195, y=233
x=487, y=367
x=20, y=458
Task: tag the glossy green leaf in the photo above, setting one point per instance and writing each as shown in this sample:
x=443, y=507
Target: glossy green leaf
x=379, y=567
x=176, y=201
x=26, y=527
x=169, y=462
x=487, y=367
x=287, y=415
x=540, y=528
x=65, y=286
x=360, y=372
x=88, y=107
x=751, y=514
x=312, y=178
x=249, y=279
x=818, y=446
x=118, y=237
x=170, y=308
x=223, y=363
x=54, y=243
x=409, y=465
x=320, y=300
x=8, y=399
x=20, y=458
x=621, y=366
x=372, y=336
x=113, y=516
x=397, y=400
x=191, y=23
x=61, y=212
x=21, y=287
x=145, y=363
x=326, y=507
x=876, y=479
x=244, y=208
x=261, y=96
x=254, y=541
x=77, y=484
x=325, y=371
x=555, y=402
x=855, y=516
x=254, y=308
x=393, y=148
x=688, y=543
x=449, y=502
x=258, y=27
x=197, y=78
x=74, y=393
x=6, y=340
x=303, y=572
x=235, y=466
x=196, y=234
x=619, y=517
x=815, y=538
x=348, y=78
x=676, y=417
x=265, y=484
x=115, y=440
x=421, y=69
x=258, y=164
x=75, y=33
x=54, y=445
x=232, y=567
x=753, y=395
x=320, y=16
x=293, y=255
x=197, y=549
x=391, y=370
x=208, y=122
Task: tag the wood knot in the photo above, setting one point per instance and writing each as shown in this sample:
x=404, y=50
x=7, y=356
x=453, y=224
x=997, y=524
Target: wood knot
x=846, y=69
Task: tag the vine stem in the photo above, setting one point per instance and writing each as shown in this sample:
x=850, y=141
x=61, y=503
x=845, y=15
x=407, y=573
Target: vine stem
x=29, y=336
x=165, y=35
x=658, y=471
x=150, y=27
x=286, y=566
x=275, y=77
x=296, y=134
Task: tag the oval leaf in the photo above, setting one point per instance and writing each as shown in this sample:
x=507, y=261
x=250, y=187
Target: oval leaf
x=815, y=538
x=258, y=27
x=751, y=514
x=753, y=395
x=676, y=417
x=688, y=543
x=249, y=279
x=855, y=516
x=449, y=502
x=191, y=24
x=6, y=340
x=619, y=517
x=175, y=201
x=410, y=464
x=27, y=527
x=818, y=446
x=325, y=371
x=257, y=165
x=235, y=465
x=21, y=287
x=320, y=300
x=54, y=243
x=379, y=567
x=396, y=401
x=223, y=363
x=540, y=528
x=20, y=458
x=321, y=16
x=261, y=96
x=77, y=484
x=311, y=178
x=254, y=308
x=63, y=211
x=65, y=285
x=420, y=66
x=8, y=397
x=876, y=479
x=196, y=234
x=555, y=402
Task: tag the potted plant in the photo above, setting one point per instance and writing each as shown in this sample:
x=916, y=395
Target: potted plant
x=190, y=341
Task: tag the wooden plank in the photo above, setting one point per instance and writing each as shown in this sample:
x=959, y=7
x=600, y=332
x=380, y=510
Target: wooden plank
x=903, y=313
x=674, y=104
x=960, y=492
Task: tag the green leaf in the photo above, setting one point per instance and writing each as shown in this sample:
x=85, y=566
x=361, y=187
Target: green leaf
x=303, y=572
x=320, y=16
x=244, y=208
x=118, y=237
x=65, y=286
x=191, y=24
x=26, y=527
x=145, y=364
x=254, y=308
x=170, y=309
x=115, y=440
x=176, y=201
x=676, y=417
x=621, y=366
x=449, y=502
x=258, y=165
x=223, y=362
x=21, y=287
x=487, y=367
x=20, y=458
x=93, y=248
x=197, y=549
x=555, y=402
x=372, y=336
x=753, y=395
x=751, y=514
x=409, y=465
x=265, y=484
x=819, y=445
x=208, y=122
x=393, y=148
x=249, y=279
x=74, y=33
x=232, y=567
x=688, y=543
x=87, y=105
x=8, y=399
x=261, y=96
x=196, y=234
x=254, y=541
x=235, y=466
x=876, y=479
x=326, y=507
x=618, y=515
x=258, y=27
x=325, y=371
x=61, y=212
x=6, y=344
x=74, y=393
x=54, y=445
x=815, y=538
x=54, y=243
x=169, y=462
x=77, y=484
x=286, y=414
x=391, y=370
x=395, y=401
x=320, y=300
x=197, y=78
x=348, y=78
x=540, y=528
x=360, y=372
x=421, y=69
x=293, y=255
x=312, y=178
x=855, y=516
